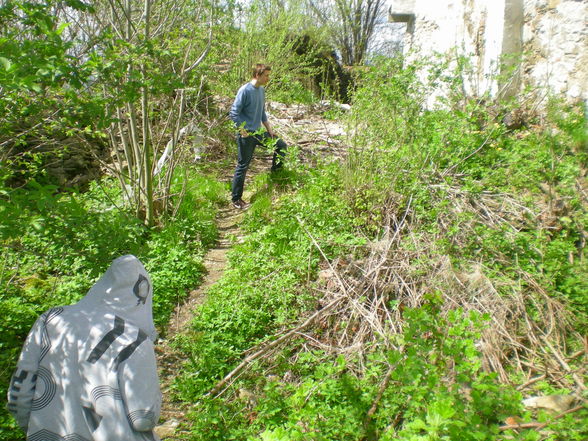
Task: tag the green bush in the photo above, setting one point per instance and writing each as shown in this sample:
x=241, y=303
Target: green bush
x=437, y=390
x=407, y=151
x=266, y=32
x=425, y=398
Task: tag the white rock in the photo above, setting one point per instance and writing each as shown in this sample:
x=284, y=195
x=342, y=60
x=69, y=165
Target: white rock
x=555, y=403
x=167, y=429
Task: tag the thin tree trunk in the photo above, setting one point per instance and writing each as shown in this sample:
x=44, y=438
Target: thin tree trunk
x=147, y=150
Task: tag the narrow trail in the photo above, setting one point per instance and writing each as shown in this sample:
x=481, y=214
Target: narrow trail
x=173, y=414
x=315, y=136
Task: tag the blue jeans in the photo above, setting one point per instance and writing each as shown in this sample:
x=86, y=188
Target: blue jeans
x=245, y=148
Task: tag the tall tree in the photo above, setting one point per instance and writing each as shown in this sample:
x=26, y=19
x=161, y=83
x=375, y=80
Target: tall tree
x=353, y=23
x=147, y=51
x=119, y=69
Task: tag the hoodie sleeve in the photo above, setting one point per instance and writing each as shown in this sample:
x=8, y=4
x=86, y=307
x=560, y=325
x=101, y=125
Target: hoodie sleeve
x=139, y=386
x=22, y=385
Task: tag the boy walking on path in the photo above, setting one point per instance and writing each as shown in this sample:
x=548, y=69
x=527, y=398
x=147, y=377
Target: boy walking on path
x=248, y=114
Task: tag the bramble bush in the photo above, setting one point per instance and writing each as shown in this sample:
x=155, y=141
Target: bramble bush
x=437, y=389
x=434, y=154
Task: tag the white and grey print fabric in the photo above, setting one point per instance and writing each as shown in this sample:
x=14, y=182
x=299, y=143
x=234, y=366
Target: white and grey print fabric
x=87, y=371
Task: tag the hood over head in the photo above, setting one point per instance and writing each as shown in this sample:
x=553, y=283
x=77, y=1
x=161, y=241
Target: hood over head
x=125, y=289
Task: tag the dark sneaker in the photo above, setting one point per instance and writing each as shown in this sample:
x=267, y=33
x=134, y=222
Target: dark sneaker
x=240, y=204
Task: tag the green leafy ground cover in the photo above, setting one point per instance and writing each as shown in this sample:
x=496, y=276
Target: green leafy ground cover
x=511, y=203
x=474, y=194
x=55, y=245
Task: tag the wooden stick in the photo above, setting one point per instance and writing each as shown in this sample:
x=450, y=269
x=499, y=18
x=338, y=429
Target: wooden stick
x=563, y=363
x=270, y=346
x=341, y=282
x=531, y=381
x=381, y=390
x=576, y=355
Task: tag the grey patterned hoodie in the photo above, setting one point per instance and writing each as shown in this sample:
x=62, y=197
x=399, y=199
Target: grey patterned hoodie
x=87, y=371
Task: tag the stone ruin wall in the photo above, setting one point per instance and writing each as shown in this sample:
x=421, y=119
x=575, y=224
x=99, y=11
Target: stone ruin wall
x=552, y=35
x=555, y=36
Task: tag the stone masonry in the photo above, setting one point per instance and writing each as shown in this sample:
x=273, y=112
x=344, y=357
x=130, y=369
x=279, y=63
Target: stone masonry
x=539, y=43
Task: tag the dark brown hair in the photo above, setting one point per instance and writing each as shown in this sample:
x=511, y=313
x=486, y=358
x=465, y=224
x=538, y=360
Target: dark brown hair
x=259, y=69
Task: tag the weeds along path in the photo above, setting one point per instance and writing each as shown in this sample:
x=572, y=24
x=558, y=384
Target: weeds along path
x=169, y=359
x=316, y=137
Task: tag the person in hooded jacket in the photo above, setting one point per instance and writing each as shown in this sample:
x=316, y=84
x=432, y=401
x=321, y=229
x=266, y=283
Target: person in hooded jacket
x=87, y=371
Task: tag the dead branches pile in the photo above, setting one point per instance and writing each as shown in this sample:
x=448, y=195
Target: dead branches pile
x=363, y=298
